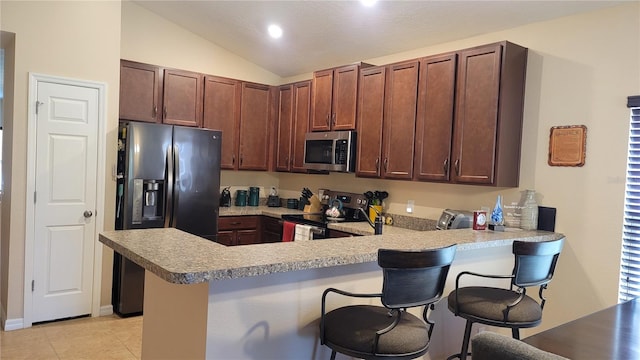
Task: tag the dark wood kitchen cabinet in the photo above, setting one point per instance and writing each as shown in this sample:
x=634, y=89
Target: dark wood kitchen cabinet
x=434, y=121
x=488, y=115
x=401, y=92
x=239, y=230
x=154, y=94
x=140, y=91
x=255, y=127
x=370, y=118
x=271, y=229
x=285, y=128
x=293, y=123
x=182, y=98
x=221, y=111
x=301, y=114
x=334, y=98
x=387, y=118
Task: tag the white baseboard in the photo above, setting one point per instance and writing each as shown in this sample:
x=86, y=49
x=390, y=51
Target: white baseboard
x=106, y=310
x=13, y=324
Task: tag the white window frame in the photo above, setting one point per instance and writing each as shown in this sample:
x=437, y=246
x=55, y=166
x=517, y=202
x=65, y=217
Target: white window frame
x=629, y=286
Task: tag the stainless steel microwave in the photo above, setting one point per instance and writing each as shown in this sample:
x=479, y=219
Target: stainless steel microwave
x=330, y=151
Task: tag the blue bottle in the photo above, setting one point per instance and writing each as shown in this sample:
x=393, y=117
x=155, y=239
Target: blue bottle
x=497, y=217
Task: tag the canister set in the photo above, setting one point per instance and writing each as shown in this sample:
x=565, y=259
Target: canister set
x=250, y=198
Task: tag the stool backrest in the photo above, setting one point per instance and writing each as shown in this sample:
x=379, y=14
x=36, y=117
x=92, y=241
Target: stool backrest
x=414, y=278
x=535, y=262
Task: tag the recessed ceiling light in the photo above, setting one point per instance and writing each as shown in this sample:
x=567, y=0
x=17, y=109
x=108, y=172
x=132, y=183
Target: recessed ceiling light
x=368, y=3
x=275, y=31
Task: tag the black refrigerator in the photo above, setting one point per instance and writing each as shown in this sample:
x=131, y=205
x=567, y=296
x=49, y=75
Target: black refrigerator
x=167, y=176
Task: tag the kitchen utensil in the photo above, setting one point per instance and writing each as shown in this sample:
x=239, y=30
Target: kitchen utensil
x=225, y=197
x=335, y=211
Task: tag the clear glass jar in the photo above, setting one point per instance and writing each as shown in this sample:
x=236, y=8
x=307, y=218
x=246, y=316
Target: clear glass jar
x=529, y=212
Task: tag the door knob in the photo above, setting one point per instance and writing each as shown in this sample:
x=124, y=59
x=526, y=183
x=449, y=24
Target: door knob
x=88, y=213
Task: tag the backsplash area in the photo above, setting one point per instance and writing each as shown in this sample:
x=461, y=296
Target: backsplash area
x=429, y=198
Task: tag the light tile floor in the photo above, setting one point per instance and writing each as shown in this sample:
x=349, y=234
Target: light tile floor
x=104, y=337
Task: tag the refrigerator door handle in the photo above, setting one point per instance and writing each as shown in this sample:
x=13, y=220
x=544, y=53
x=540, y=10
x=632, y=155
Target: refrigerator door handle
x=168, y=214
x=176, y=192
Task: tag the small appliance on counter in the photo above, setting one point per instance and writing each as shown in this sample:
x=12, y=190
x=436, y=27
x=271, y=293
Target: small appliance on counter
x=273, y=200
x=455, y=219
x=225, y=197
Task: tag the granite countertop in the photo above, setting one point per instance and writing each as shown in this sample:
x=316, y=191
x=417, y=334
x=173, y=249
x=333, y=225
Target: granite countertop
x=182, y=258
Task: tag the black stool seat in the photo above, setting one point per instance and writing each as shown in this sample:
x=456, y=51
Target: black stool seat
x=354, y=328
x=510, y=307
x=410, y=279
x=487, y=305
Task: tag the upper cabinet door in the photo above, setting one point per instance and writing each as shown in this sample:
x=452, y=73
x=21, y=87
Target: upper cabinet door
x=221, y=111
x=140, y=91
x=401, y=94
x=285, y=128
x=182, y=100
x=322, y=96
x=335, y=98
x=434, y=123
x=370, y=119
x=254, y=127
x=345, y=97
x=301, y=114
x=488, y=119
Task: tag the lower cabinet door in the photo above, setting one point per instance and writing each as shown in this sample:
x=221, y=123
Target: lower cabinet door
x=248, y=237
x=225, y=238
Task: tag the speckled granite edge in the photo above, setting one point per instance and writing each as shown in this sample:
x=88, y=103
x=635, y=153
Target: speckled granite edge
x=182, y=258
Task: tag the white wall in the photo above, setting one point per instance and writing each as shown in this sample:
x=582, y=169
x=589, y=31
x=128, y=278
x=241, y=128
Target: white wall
x=79, y=40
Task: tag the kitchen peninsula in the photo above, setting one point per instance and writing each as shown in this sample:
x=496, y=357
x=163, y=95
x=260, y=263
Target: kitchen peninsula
x=206, y=300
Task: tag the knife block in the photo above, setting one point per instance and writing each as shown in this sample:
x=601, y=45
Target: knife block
x=314, y=205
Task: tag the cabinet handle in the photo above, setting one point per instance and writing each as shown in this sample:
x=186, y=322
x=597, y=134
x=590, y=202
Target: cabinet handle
x=328, y=124
x=155, y=110
x=165, y=112
x=377, y=164
x=333, y=119
x=457, y=166
x=233, y=159
x=241, y=159
x=445, y=167
x=386, y=162
x=236, y=223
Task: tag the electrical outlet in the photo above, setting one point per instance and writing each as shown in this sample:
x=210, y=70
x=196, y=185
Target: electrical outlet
x=410, y=204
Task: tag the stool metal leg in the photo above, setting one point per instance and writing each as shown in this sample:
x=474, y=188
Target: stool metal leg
x=515, y=333
x=465, y=341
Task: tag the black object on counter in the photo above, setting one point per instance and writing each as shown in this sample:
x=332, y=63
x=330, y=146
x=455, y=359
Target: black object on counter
x=377, y=229
x=273, y=201
x=225, y=197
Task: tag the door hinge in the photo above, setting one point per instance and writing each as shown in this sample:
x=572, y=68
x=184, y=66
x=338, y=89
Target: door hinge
x=33, y=285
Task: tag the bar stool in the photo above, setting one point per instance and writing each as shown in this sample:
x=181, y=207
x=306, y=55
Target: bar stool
x=535, y=263
x=410, y=279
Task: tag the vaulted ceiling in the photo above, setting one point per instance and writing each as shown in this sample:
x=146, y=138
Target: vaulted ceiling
x=323, y=34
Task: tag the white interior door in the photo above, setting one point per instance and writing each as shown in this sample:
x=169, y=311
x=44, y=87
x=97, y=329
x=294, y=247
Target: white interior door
x=65, y=200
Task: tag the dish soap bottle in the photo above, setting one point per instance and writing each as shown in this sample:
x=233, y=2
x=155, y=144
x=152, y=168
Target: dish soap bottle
x=529, y=212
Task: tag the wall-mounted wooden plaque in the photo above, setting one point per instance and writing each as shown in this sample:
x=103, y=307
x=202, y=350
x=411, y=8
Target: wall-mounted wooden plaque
x=567, y=145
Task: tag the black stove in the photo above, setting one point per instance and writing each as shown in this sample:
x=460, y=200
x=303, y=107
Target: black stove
x=351, y=204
